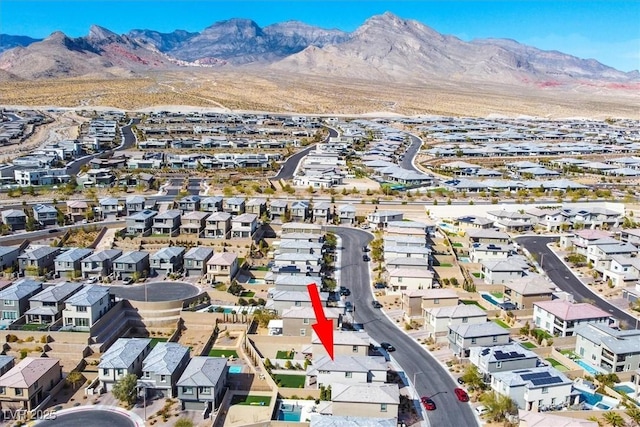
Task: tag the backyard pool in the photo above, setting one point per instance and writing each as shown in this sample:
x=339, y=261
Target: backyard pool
x=253, y=281
x=489, y=298
x=235, y=369
x=289, y=412
x=590, y=369
x=464, y=259
x=625, y=389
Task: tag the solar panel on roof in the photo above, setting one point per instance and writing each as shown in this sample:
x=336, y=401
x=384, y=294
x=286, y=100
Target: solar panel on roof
x=535, y=375
x=546, y=381
x=485, y=351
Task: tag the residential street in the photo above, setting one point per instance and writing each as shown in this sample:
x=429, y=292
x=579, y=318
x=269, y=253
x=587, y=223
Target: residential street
x=431, y=377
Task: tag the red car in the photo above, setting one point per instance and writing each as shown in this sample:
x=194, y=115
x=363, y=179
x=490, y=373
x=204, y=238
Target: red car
x=461, y=395
x=429, y=404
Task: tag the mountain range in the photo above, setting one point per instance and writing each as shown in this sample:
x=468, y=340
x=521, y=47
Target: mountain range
x=383, y=48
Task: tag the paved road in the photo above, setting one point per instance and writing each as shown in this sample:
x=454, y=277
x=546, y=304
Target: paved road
x=290, y=165
x=431, y=378
x=93, y=418
x=412, y=151
x=565, y=280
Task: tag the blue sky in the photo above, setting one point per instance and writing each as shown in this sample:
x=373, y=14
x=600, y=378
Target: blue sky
x=608, y=30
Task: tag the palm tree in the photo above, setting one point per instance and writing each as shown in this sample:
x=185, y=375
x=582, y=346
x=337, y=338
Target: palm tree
x=498, y=406
x=614, y=419
x=634, y=414
x=593, y=418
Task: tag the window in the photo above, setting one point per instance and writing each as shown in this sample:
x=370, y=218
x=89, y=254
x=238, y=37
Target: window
x=545, y=390
x=553, y=400
x=465, y=319
x=498, y=365
x=187, y=390
x=9, y=315
x=297, y=304
x=473, y=340
x=495, y=339
x=348, y=374
x=205, y=390
x=9, y=302
x=2, y=390
x=539, y=402
x=355, y=349
x=383, y=407
x=18, y=392
x=436, y=301
x=147, y=374
x=81, y=308
x=399, y=279
x=119, y=372
x=303, y=332
x=163, y=378
x=305, y=321
x=82, y=322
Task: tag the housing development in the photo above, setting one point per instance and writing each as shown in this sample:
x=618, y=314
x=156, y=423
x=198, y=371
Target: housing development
x=472, y=270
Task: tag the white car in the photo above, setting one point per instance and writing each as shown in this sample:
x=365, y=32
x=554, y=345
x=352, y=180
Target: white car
x=481, y=410
x=92, y=280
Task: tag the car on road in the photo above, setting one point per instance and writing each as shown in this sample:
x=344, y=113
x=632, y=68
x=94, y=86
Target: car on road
x=376, y=304
x=365, y=258
x=348, y=306
x=380, y=285
x=127, y=281
x=428, y=403
x=365, y=249
x=387, y=346
x=461, y=394
x=92, y=280
x=344, y=291
x=53, y=230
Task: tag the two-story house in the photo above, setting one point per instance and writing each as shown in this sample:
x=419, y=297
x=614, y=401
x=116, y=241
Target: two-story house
x=612, y=350
x=282, y=300
x=502, y=271
x=369, y=400
x=256, y=206
x=414, y=302
x=195, y=261
x=560, y=317
x=69, y=263
x=222, y=267
x=162, y=368
x=133, y=204
x=234, y=205
x=193, y=223
x=212, y=204
x=46, y=306
x=300, y=211
x=14, y=299
x=623, y=271
x=167, y=260
x=346, y=369
x=278, y=210
x=297, y=321
x=322, y=212
x=218, y=226
x=140, y=223
x=130, y=264
x=410, y=279
x=482, y=252
x=9, y=257
x=344, y=343
x=45, y=215
x=167, y=223
x=244, y=226
x=488, y=236
x=600, y=252
x=534, y=388
x=100, y=264
x=36, y=261
x=189, y=203
x=502, y=358
x=464, y=336
x=201, y=386
x=346, y=214
x=438, y=319
x=29, y=382
x=526, y=291
x=14, y=219
x=83, y=309
x=77, y=210
x=110, y=207
x=124, y=357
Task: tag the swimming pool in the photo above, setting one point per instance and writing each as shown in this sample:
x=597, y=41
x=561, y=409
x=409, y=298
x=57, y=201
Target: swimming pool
x=625, y=389
x=253, y=281
x=489, y=298
x=289, y=412
x=590, y=369
x=235, y=369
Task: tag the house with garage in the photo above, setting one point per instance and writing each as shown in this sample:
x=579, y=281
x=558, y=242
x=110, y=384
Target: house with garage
x=14, y=219
x=28, y=384
x=109, y=208
x=189, y=203
x=36, y=261
x=9, y=257
x=193, y=223
x=162, y=368
x=297, y=321
x=125, y=356
x=140, y=223
x=344, y=343
x=256, y=206
x=167, y=260
x=278, y=210
x=560, y=317
x=222, y=267
x=134, y=204
x=234, y=205
x=481, y=252
x=487, y=236
x=322, y=212
x=195, y=261
x=438, y=319
x=300, y=211
x=244, y=226
x=46, y=306
x=14, y=299
x=370, y=400
x=502, y=358
x=534, y=388
x=410, y=279
x=463, y=336
x=77, y=210
x=69, y=263
x=346, y=369
x=167, y=223
x=218, y=226
x=381, y=219
x=212, y=204
x=45, y=215
x=84, y=308
x=283, y=300
x=414, y=302
x=131, y=264
x=202, y=384
x=346, y=214
x=527, y=290
x=100, y=264
x=502, y=271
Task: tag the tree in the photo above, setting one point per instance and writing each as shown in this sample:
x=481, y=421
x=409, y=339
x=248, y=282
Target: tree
x=184, y=422
x=125, y=389
x=614, y=419
x=235, y=288
x=498, y=406
x=633, y=413
x=74, y=378
x=472, y=377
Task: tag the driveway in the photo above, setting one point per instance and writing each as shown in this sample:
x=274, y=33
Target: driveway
x=432, y=378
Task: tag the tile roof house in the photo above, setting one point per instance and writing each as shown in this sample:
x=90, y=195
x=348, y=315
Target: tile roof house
x=526, y=291
x=131, y=263
x=9, y=257
x=167, y=260
x=47, y=305
x=346, y=214
x=28, y=383
x=365, y=400
x=86, y=307
x=194, y=223
x=125, y=356
x=297, y=321
x=414, y=302
x=463, y=336
x=167, y=223
x=218, y=226
x=15, y=219
x=560, y=317
x=222, y=267
x=346, y=369
x=14, y=299
x=38, y=261
x=100, y=264
x=501, y=271
x=212, y=204
x=344, y=343
x=140, y=223
x=69, y=263
x=408, y=279
x=45, y=215
x=502, y=358
x=611, y=350
x=534, y=388
x=195, y=261
x=438, y=319
x=162, y=367
x=134, y=204
x=244, y=225
x=201, y=385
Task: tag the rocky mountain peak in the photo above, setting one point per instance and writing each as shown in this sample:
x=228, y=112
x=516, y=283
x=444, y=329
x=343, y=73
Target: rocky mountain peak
x=98, y=33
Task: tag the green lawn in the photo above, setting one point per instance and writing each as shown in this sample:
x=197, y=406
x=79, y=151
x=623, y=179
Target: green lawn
x=445, y=264
x=559, y=366
x=248, y=294
x=477, y=274
x=544, y=333
x=217, y=352
x=457, y=245
x=529, y=345
x=155, y=341
x=283, y=354
x=261, y=268
x=250, y=400
x=501, y=323
x=498, y=295
x=471, y=302
x=290, y=381
x=34, y=327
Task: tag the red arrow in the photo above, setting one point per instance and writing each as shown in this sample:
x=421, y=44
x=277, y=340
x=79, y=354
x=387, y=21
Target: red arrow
x=323, y=326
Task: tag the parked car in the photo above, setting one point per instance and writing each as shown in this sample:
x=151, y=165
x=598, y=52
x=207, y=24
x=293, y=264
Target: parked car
x=461, y=395
x=365, y=249
x=366, y=258
x=376, y=304
x=481, y=410
x=460, y=380
x=92, y=280
x=428, y=403
x=53, y=230
x=387, y=346
x=348, y=306
x=127, y=281
x=380, y=285
x=344, y=291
